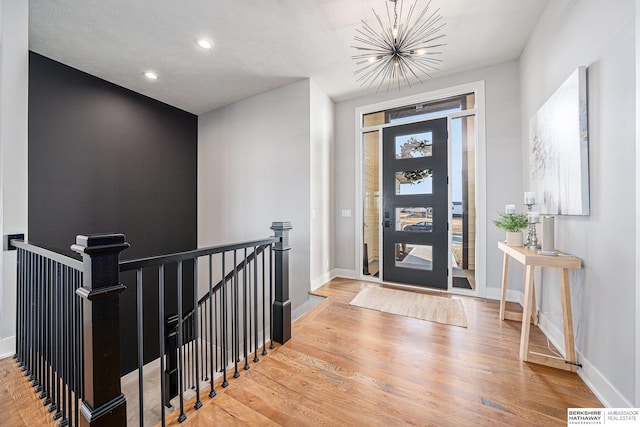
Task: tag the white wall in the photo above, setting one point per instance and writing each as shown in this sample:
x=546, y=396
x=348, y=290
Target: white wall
x=14, y=72
x=322, y=186
x=637, y=404
x=253, y=169
x=503, y=156
x=600, y=35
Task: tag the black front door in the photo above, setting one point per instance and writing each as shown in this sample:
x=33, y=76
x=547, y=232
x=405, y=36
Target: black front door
x=415, y=204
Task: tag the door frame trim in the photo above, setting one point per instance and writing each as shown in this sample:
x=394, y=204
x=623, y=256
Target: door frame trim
x=478, y=88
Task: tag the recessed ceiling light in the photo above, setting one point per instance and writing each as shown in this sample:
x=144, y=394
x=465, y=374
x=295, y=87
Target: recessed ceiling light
x=204, y=43
x=151, y=75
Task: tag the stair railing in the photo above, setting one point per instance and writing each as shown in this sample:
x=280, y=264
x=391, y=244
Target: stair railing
x=68, y=333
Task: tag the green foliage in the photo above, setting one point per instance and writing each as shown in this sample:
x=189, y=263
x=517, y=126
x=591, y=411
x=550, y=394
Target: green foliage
x=515, y=222
x=415, y=177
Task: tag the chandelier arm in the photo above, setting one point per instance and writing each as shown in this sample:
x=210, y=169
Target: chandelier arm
x=389, y=78
x=386, y=34
x=369, y=32
x=424, y=31
x=425, y=68
x=388, y=14
x=371, y=69
x=430, y=25
x=383, y=67
x=407, y=62
x=372, y=41
x=424, y=44
x=399, y=16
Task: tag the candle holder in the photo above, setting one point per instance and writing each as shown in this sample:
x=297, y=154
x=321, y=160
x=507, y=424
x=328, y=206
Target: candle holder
x=532, y=237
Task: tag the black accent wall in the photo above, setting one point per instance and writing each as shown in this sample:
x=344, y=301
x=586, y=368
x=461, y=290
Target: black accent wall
x=105, y=159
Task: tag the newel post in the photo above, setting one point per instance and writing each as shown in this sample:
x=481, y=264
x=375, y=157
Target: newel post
x=103, y=403
x=282, y=304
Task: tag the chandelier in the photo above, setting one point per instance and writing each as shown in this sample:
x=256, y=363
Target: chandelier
x=397, y=53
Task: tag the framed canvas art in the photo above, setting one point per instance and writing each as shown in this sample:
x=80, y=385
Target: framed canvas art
x=559, y=150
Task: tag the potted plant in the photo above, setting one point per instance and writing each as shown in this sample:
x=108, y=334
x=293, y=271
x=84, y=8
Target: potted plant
x=513, y=224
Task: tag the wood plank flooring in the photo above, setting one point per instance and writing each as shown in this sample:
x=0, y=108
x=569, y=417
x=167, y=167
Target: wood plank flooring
x=347, y=365
x=351, y=366
x=19, y=405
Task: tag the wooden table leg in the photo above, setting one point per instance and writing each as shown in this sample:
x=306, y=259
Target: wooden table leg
x=526, y=313
x=569, y=343
x=534, y=306
x=503, y=293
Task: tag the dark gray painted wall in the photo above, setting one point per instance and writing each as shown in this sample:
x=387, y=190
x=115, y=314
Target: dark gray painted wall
x=105, y=159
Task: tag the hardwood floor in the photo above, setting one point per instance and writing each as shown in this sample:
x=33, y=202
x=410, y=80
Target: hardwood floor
x=19, y=405
x=347, y=365
x=351, y=366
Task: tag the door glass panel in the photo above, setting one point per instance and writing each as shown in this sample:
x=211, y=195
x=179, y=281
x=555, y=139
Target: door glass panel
x=412, y=146
x=371, y=202
x=414, y=182
x=414, y=219
x=463, y=191
x=419, y=257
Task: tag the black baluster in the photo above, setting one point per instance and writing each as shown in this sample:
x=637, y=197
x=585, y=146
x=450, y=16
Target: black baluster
x=198, y=403
x=64, y=349
x=139, y=314
x=255, y=304
x=19, y=301
x=223, y=306
x=182, y=416
x=271, y=346
x=244, y=311
x=212, y=300
x=264, y=308
x=47, y=319
x=59, y=348
x=236, y=321
x=162, y=339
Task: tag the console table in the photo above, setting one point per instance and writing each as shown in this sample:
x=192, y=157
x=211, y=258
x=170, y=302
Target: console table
x=531, y=259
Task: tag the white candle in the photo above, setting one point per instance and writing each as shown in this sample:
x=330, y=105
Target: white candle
x=534, y=217
x=529, y=198
x=510, y=209
x=548, y=243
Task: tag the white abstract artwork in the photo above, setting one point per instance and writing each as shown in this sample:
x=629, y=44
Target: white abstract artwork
x=559, y=150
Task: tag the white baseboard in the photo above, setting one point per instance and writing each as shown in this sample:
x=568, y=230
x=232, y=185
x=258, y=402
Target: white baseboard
x=344, y=273
x=592, y=377
x=600, y=386
x=7, y=347
x=322, y=279
x=512, y=296
x=308, y=305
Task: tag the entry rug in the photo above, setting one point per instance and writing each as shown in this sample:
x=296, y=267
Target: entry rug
x=412, y=304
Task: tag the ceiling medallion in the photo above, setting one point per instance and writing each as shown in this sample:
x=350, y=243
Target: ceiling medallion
x=400, y=51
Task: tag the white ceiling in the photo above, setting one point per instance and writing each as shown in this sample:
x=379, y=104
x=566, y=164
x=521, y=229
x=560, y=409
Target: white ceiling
x=259, y=44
